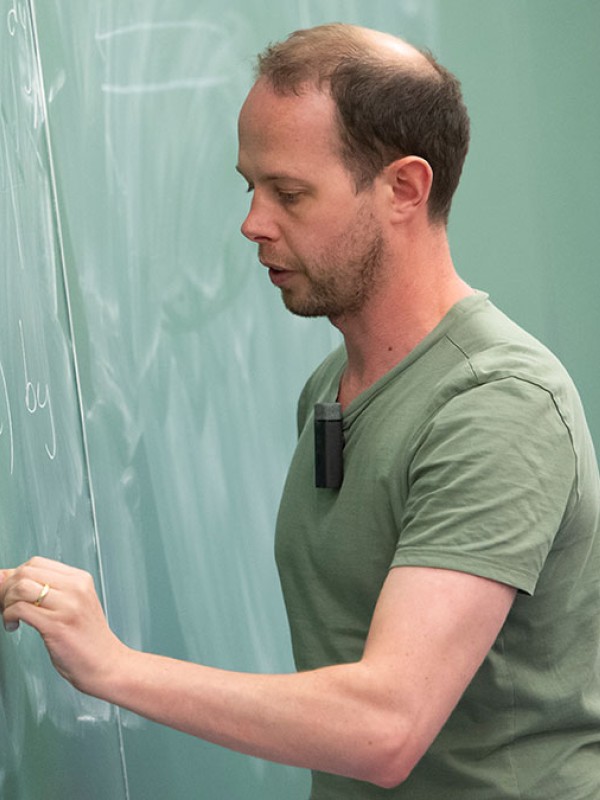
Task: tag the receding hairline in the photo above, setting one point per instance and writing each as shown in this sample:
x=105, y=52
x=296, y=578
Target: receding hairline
x=384, y=48
x=395, y=48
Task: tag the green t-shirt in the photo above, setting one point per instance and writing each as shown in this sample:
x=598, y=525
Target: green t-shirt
x=472, y=454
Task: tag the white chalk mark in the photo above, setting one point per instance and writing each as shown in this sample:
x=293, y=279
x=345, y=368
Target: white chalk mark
x=33, y=398
x=156, y=26
x=57, y=85
x=50, y=451
x=13, y=200
x=10, y=422
x=162, y=86
x=15, y=17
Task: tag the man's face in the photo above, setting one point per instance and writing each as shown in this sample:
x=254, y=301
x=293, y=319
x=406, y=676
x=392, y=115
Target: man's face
x=320, y=239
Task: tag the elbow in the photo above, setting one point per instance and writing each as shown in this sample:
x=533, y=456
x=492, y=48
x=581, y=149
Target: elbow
x=390, y=759
x=388, y=775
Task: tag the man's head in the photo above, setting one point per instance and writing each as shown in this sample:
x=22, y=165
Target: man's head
x=321, y=240
x=391, y=100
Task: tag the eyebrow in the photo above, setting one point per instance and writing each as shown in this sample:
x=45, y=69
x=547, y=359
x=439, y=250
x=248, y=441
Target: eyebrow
x=276, y=176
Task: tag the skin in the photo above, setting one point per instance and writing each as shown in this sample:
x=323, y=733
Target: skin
x=431, y=628
x=304, y=216
x=320, y=241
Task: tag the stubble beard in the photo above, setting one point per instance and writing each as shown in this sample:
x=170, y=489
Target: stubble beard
x=342, y=280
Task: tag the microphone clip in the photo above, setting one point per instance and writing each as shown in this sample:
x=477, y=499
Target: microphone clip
x=329, y=446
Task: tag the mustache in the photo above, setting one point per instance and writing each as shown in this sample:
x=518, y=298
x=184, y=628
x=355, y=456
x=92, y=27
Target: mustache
x=271, y=260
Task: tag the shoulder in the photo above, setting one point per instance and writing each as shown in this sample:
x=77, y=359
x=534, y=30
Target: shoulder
x=492, y=351
x=495, y=347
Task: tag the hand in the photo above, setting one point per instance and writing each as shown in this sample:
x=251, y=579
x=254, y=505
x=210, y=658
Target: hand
x=68, y=616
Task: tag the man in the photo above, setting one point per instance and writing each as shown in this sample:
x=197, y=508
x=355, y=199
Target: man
x=444, y=601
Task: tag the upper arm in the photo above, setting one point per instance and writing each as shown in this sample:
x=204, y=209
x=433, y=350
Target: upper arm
x=431, y=630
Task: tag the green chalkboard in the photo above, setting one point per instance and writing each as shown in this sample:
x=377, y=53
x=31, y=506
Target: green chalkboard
x=148, y=372
x=45, y=726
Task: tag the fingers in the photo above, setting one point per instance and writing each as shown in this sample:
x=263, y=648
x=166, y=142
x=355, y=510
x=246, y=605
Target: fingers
x=22, y=611
x=46, y=566
x=61, y=603
x=27, y=590
x=51, y=565
x=41, y=571
x=34, y=589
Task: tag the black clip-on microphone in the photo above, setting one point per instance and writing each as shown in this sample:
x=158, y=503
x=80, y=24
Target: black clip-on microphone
x=329, y=446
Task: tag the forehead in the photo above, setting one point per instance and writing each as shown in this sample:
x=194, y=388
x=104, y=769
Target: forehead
x=290, y=126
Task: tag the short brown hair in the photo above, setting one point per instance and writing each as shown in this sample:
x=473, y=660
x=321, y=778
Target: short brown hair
x=387, y=107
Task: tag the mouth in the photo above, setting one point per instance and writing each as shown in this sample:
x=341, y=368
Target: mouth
x=280, y=277
x=277, y=275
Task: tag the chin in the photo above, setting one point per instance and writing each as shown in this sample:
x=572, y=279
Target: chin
x=301, y=309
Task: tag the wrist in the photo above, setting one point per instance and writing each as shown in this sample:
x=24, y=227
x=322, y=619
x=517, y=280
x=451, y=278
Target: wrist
x=109, y=681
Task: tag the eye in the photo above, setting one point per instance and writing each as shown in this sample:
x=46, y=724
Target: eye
x=288, y=198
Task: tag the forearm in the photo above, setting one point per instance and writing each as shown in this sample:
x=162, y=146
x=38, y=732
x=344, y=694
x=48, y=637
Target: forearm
x=343, y=719
x=371, y=720
x=326, y=719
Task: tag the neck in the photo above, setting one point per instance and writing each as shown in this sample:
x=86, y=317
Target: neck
x=405, y=308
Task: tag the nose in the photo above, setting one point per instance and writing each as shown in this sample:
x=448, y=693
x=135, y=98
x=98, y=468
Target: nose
x=259, y=225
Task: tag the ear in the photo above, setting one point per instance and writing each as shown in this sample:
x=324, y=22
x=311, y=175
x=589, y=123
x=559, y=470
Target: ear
x=409, y=181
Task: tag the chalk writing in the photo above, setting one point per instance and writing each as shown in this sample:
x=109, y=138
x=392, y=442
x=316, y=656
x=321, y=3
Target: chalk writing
x=17, y=16
x=38, y=399
x=6, y=425
x=19, y=28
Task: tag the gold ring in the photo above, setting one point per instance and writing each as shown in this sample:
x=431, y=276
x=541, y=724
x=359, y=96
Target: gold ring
x=42, y=594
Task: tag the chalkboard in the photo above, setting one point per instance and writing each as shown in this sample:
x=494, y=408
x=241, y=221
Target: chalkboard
x=148, y=373
x=47, y=730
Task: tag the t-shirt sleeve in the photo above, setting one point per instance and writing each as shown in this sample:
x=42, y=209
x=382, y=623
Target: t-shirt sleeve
x=489, y=480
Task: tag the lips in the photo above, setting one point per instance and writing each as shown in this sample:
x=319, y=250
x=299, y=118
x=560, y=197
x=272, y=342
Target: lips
x=277, y=275
x=269, y=264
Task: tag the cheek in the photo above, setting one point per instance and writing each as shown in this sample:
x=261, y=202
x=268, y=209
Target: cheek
x=322, y=236
x=324, y=233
